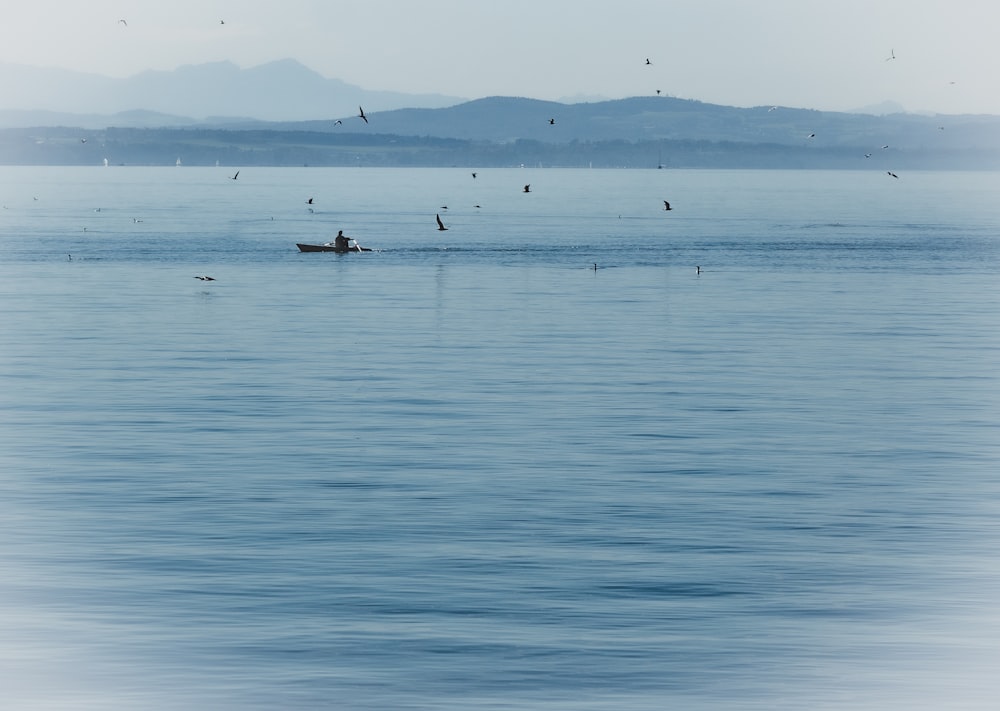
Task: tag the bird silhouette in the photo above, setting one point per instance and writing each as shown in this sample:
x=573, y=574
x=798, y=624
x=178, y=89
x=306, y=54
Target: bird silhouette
x=234, y=177
x=527, y=188
x=552, y=122
x=666, y=205
x=361, y=115
x=123, y=22
x=309, y=201
x=892, y=55
x=441, y=227
x=205, y=278
x=473, y=175
x=893, y=174
x=338, y=122
x=648, y=63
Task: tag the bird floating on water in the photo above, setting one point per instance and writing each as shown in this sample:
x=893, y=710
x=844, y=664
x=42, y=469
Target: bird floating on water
x=441, y=227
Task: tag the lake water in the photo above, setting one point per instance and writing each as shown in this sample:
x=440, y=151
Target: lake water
x=472, y=471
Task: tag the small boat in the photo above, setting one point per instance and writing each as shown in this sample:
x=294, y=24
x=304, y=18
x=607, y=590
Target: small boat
x=331, y=248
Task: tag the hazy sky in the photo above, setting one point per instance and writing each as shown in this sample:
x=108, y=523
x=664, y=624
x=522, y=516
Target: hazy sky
x=805, y=53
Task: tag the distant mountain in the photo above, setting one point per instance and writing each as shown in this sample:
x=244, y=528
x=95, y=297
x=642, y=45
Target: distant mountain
x=498, y=131
x=654, y=118
x=283, y=90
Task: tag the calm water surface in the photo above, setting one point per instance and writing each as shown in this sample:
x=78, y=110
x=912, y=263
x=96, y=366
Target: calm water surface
x=471, y=471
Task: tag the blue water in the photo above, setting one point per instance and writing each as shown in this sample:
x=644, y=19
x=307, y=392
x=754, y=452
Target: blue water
x=469, y=470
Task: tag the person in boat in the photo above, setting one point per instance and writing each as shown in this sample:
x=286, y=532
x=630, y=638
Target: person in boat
x=342, y=242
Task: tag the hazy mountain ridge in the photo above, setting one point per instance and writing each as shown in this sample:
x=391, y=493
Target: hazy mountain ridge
x=646, y=130
x=277, y=91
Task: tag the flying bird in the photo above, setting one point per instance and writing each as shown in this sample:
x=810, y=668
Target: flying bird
x=234, y=177
x=527, y=188
x=205, y=278
x=666, y=205
x=309, y=201
x=361, y=115
x=648, y=63
x=552, y=122
x=811, y=135
x=868, y=155
x=123, y=22
x=892, y=55
x=893, y=174
x=441, y=227
x=338, y=122
x=473, y=175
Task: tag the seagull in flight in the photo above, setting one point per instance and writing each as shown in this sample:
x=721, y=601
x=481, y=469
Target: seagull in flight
x=123, y=22
x=648, y=63
x=309, y=201
x=552, y=122
x=527, y=188
x=361, y=115
x=892, y=55
x=893, y=174
x=666, y=205
x=205, y=278
x=441, y=227
x=234, y=177
x=473, y=175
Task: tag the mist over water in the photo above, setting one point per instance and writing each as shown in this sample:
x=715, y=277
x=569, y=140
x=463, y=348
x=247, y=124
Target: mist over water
x=470, y=470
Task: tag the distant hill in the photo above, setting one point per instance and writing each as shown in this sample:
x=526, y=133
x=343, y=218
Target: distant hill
x=655, y=118
x=277, y=91
x=644, y=131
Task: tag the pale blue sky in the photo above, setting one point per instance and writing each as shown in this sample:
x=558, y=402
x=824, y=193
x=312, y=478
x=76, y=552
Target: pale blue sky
x=806, y=53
